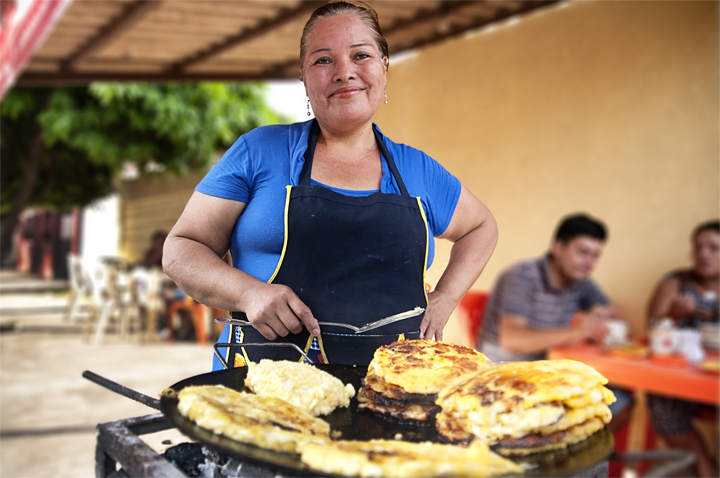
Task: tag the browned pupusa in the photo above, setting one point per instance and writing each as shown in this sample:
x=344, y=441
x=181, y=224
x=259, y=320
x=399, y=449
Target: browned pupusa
x=526, y=407
x=404, y=378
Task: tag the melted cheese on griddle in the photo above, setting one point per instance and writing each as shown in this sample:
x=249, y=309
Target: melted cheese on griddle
x=307, y=387
x=399, y=459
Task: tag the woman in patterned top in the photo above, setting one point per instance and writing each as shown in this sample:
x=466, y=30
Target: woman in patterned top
x=690, y=298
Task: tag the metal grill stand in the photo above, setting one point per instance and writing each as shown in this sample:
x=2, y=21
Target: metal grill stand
x=120, y=453
x=118, y=443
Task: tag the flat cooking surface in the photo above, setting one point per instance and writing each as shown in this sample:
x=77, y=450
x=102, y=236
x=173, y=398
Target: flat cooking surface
x=356, y=424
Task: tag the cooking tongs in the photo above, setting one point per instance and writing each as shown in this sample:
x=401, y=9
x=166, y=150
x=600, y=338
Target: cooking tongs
x=357, y=330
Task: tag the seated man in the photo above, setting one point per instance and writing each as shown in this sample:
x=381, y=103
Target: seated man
x=551, y=301
x=690, y=298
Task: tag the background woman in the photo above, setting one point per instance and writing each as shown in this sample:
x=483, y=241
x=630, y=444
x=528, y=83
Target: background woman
x=329, y=220
x=690, y=298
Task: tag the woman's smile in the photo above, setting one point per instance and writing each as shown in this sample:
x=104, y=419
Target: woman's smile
x=347, y=92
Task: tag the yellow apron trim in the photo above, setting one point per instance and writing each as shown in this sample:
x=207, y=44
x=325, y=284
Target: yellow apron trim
x=307, y=347
x=229, y=349
x=427, y=247
x=401, y=336
x=322, y=348
x=285, y=227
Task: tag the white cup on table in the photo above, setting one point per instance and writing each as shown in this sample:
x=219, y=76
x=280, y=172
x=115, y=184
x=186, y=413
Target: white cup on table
x=691, y=345
x=665, y=339
x=617, y=332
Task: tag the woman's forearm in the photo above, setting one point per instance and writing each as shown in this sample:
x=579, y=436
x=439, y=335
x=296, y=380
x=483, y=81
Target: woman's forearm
x=468, y=257
x=206, y=278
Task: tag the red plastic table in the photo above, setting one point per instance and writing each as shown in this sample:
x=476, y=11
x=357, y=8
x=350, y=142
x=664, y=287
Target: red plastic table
x=674, y=378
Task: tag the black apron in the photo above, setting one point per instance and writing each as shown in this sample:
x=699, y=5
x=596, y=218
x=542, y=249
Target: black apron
x=351, y=260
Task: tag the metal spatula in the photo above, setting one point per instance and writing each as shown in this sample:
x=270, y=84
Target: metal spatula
x=358, y=330
x=379, y=323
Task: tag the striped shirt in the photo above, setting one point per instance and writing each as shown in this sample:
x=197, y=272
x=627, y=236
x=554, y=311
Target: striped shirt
x=524, y=290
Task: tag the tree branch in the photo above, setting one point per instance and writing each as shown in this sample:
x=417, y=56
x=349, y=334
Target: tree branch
x=22, y=199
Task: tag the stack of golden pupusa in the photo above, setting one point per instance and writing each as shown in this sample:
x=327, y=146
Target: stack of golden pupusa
x=404, y=378
x=269, y=420
x=526, y=407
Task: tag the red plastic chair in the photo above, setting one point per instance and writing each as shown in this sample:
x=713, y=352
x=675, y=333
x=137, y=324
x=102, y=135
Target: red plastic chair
x=472, y=307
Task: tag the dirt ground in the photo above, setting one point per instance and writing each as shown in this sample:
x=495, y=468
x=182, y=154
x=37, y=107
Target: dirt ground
x=48, y=411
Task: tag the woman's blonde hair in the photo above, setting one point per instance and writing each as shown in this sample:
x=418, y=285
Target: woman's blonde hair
x=363, y=10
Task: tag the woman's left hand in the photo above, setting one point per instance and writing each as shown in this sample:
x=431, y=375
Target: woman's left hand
x=474, y=233
x=437, y=314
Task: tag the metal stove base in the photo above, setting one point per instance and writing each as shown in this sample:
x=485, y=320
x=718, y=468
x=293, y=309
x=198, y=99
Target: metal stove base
x=120, y=453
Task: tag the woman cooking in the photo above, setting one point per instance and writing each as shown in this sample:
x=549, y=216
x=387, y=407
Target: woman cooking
x=329, y=220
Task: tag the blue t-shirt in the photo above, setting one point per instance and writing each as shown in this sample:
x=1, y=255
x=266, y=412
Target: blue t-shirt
x=261, y=163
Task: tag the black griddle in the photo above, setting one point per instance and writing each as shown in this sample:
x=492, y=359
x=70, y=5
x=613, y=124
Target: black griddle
x=354, y=424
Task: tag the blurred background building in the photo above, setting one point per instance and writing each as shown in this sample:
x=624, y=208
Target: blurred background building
x=540, y=108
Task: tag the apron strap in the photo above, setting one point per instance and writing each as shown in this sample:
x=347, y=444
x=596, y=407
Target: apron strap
x=390, y=162
x=310, y=154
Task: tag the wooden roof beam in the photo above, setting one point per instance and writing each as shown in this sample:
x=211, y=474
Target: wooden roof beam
x=49, y=79
x=501, y=14
x=247, y=34
x=444, y=8
x=129, y=16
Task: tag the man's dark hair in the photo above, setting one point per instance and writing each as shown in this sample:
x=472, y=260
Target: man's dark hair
x=706, y=226
x=580, y=225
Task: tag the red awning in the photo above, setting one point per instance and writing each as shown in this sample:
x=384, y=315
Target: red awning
x=24, y=25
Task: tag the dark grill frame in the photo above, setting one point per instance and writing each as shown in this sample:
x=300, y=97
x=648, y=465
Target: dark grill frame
x=119, y=443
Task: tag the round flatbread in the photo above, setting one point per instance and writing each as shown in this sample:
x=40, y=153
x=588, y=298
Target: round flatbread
x=401, y=459
x=425, y=366
x=266, y=422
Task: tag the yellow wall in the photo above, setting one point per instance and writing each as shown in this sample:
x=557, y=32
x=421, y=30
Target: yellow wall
x=605, y=107
x=148, y=205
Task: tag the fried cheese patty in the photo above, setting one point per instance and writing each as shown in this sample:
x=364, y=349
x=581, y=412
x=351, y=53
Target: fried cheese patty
x=400, y=459
x=266, y=422
x=307, y=387
x=403, y=378
x=525, y=407
x=425, y=366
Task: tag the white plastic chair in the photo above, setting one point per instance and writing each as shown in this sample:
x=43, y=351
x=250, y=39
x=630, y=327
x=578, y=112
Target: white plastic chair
x=116, y=295
x=81, y=291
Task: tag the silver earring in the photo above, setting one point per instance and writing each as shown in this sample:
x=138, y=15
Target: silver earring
x=385, y=92
x=308, y=105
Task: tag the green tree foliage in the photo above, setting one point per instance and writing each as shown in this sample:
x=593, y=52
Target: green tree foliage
x=65, y=147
